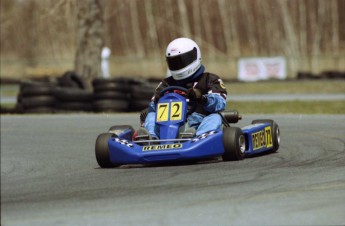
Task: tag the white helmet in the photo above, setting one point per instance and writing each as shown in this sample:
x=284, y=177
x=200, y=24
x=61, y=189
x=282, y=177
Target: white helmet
x=183, y=57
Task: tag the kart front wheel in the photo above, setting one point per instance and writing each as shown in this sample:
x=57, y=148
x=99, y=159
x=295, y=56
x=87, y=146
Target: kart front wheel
x=102, y=150
x=234, y=144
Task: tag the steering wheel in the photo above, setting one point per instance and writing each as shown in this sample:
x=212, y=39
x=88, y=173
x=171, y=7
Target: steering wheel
x=170, y=89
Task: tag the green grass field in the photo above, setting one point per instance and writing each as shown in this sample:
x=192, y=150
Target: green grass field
x=288, y=87
x=289, y=107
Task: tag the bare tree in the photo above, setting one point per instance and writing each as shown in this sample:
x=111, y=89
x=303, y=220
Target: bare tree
x=335, y=33
x=184, y=17
x=136, y=29
x=291, y=46
x=309, y=33
x=235, y=44
x=303, y=34
x=90, y=39
x=152, y=30
x=206, y=20
x=226, y=25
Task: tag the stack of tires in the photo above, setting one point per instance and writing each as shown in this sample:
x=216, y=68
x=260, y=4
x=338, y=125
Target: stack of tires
x=141, y=95
x=36, y=97
x=333, y=75
x=73, y=100
x=305, y=75
x=71, y=80
x=110, y=95
x=71, y=94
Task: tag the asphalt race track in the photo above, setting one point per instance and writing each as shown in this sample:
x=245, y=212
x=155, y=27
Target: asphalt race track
x=49, y=176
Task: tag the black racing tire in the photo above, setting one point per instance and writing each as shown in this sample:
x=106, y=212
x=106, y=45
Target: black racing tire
x=19, y=97
x=73, y=95
x=72, y=80
x=275, y=132
x=75, y=106
x=129, y=81
x=115, y=87
x=304, y=75
x=37, y=101
x=143, y=91
x=136, y=81
x=39, y=90
x=234, y=144
x=118, y=129
x=19, y=108
x=111, y=86
x=332, y=75
x=109, y=95
x=34, y=84
x=103, y=81
x=110, y=105
x=40, y=110
x=102, y=150
x=138, y=105
x=6, y=110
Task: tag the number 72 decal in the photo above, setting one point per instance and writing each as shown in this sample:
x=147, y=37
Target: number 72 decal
x=174, y=109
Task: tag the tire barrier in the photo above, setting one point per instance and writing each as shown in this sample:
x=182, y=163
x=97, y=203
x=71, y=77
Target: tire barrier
x=122, y=95
x=36, y=97
x=69, y=94
x=304, y=75
x=141, y=95
x=111, y=95
x=73, y=100
x=333, y=75
x=72, y=80
x=323, y=75
x=110, y=105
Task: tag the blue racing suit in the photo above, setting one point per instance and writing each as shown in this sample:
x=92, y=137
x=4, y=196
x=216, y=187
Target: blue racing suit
x=205, y=117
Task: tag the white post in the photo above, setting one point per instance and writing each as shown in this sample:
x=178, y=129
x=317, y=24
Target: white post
x=106, y=52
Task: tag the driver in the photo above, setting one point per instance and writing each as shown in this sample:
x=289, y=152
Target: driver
x=183, y=57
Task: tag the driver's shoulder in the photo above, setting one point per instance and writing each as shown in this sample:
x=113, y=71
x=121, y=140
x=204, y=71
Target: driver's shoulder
x=210, y=76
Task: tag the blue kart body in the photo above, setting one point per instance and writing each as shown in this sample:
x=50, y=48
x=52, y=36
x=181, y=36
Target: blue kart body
x=123, y=151
x=171, y=114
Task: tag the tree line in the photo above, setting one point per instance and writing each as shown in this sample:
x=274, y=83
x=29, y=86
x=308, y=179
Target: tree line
x=312, y=30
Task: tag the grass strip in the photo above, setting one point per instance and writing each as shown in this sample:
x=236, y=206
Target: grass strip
x=286, y=87
x=288, y=107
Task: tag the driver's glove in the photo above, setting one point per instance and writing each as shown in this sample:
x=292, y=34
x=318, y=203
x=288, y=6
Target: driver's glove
x=195, y=95
x=157, y=96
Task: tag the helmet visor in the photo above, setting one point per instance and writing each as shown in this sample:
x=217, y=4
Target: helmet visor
x=181, y=61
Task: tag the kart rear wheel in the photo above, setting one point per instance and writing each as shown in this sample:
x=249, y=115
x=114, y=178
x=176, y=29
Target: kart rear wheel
x=275, y=132
x=234, y=144
x=102, y=150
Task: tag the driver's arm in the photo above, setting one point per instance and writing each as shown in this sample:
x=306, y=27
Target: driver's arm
x=156, y=96
x=216, y=96
x=151, y=116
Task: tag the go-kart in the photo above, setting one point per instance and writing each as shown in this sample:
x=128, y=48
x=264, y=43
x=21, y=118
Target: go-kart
x=117, y=146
